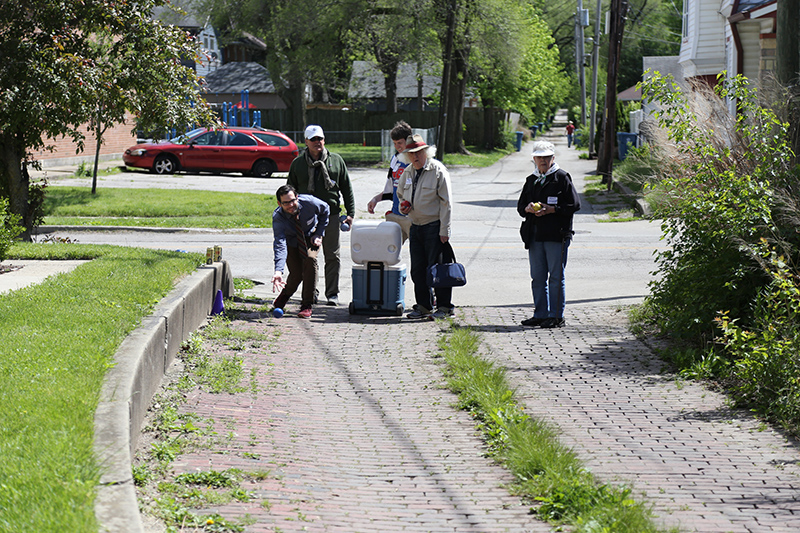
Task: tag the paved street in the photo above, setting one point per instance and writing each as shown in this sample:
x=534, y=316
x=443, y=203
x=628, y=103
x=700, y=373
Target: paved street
x=349, y=415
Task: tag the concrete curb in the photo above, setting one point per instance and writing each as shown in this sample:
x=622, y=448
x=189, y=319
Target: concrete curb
x=640, y=204
x=139, y=366
x=44, y=230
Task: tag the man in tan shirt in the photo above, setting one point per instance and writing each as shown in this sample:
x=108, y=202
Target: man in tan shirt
x=424, y=193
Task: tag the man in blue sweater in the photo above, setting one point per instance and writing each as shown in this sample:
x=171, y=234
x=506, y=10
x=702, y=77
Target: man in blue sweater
x=298, y=226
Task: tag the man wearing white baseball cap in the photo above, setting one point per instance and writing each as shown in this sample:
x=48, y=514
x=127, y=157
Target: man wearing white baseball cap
x=318, y=172
x=547, y=203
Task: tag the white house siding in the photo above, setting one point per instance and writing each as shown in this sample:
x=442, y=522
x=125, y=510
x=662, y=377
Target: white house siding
x=209, y=60
x=749, y=34
x=703, y=50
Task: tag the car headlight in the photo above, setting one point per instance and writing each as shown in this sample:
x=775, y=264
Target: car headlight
x=139, y=152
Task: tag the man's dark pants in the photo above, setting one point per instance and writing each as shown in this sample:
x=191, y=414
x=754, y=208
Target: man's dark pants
x=425, y=248
x=331, y=250
x=301, y=270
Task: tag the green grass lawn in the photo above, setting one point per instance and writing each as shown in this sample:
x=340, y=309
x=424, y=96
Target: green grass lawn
x=157, y=208
x=57, y=341
x=169, y=208
x=356, y=155
x=480, y=158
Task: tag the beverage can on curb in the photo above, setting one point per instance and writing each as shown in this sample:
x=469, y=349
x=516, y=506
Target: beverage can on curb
x=217, y=254
x=209, y=255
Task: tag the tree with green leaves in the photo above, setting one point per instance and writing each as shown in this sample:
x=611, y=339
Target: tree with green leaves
x=516, y=66
x=653, y=28
x=390, y=34
x=306, y=42
x=69, y=62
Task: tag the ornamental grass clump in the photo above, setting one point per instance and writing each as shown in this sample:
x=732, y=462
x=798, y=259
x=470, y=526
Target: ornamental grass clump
x=726, y=292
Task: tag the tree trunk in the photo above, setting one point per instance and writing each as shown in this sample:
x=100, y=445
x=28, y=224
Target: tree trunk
x=444, y=120
x=390, y=84
x=787, y=57
x=455, y=102
x=98, y=135
x=16, y=182
x=489, y=133
x=294, y=98
x=787, y=64
x=605, y=161
x=420, y=87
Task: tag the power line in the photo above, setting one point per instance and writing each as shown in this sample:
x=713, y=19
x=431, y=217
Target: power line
x=652, y=39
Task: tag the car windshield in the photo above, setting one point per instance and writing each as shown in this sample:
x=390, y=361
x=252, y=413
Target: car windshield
x=184, y=138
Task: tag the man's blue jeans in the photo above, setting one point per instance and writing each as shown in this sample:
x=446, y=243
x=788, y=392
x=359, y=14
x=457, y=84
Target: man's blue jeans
x=425, y=247
x=548, y=261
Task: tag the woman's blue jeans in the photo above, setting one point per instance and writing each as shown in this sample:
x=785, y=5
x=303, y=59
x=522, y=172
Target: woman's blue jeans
x=548, y=261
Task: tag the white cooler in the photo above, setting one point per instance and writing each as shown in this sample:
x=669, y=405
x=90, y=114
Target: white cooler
x=378, y=281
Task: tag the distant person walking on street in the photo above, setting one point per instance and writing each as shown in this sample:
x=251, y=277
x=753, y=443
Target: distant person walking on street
x=320, y=173
x=399, y=134
x=424, y=192
x=570, y=133
x=547, y=203
x=298, y=227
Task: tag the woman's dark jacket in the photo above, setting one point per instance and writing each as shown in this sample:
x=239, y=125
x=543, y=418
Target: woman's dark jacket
x=554, y=227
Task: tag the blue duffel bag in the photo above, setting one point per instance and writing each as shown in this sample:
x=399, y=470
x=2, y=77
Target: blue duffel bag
x=447, y=272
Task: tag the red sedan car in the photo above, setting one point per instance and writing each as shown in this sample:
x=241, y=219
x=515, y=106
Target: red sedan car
x=254, y=151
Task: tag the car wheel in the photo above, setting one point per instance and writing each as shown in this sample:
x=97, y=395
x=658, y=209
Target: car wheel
x=352, y=308
x=165, y=164
x=263, y=168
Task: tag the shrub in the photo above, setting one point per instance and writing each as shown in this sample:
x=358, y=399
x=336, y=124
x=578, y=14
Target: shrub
x=718, y=199
x=765, y=373
x=640, y=169
x=9, y=229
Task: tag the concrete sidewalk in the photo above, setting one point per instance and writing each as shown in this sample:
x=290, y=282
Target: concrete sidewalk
x=26, y=272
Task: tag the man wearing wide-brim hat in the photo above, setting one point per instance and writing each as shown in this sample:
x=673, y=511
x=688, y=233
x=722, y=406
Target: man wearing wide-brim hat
x=424, y=193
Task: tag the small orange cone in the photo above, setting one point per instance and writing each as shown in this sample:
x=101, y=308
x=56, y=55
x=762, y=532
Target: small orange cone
x=218, y=308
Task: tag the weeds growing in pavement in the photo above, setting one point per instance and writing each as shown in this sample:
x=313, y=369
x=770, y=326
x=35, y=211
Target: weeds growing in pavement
x=546, y=471
x=179, y=500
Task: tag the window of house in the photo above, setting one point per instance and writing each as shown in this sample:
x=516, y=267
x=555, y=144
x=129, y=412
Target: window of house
x=685, y=22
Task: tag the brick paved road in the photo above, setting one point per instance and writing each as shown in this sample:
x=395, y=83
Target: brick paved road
x=360, y=436
x=358, y=432
x=706, y=467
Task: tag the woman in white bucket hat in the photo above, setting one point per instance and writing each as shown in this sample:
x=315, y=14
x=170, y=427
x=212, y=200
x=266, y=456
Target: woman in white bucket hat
x=547, y=203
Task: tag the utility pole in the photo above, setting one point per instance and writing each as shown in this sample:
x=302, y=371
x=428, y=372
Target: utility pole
x=595, y=61
x=579, y=55
x=605, y=161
